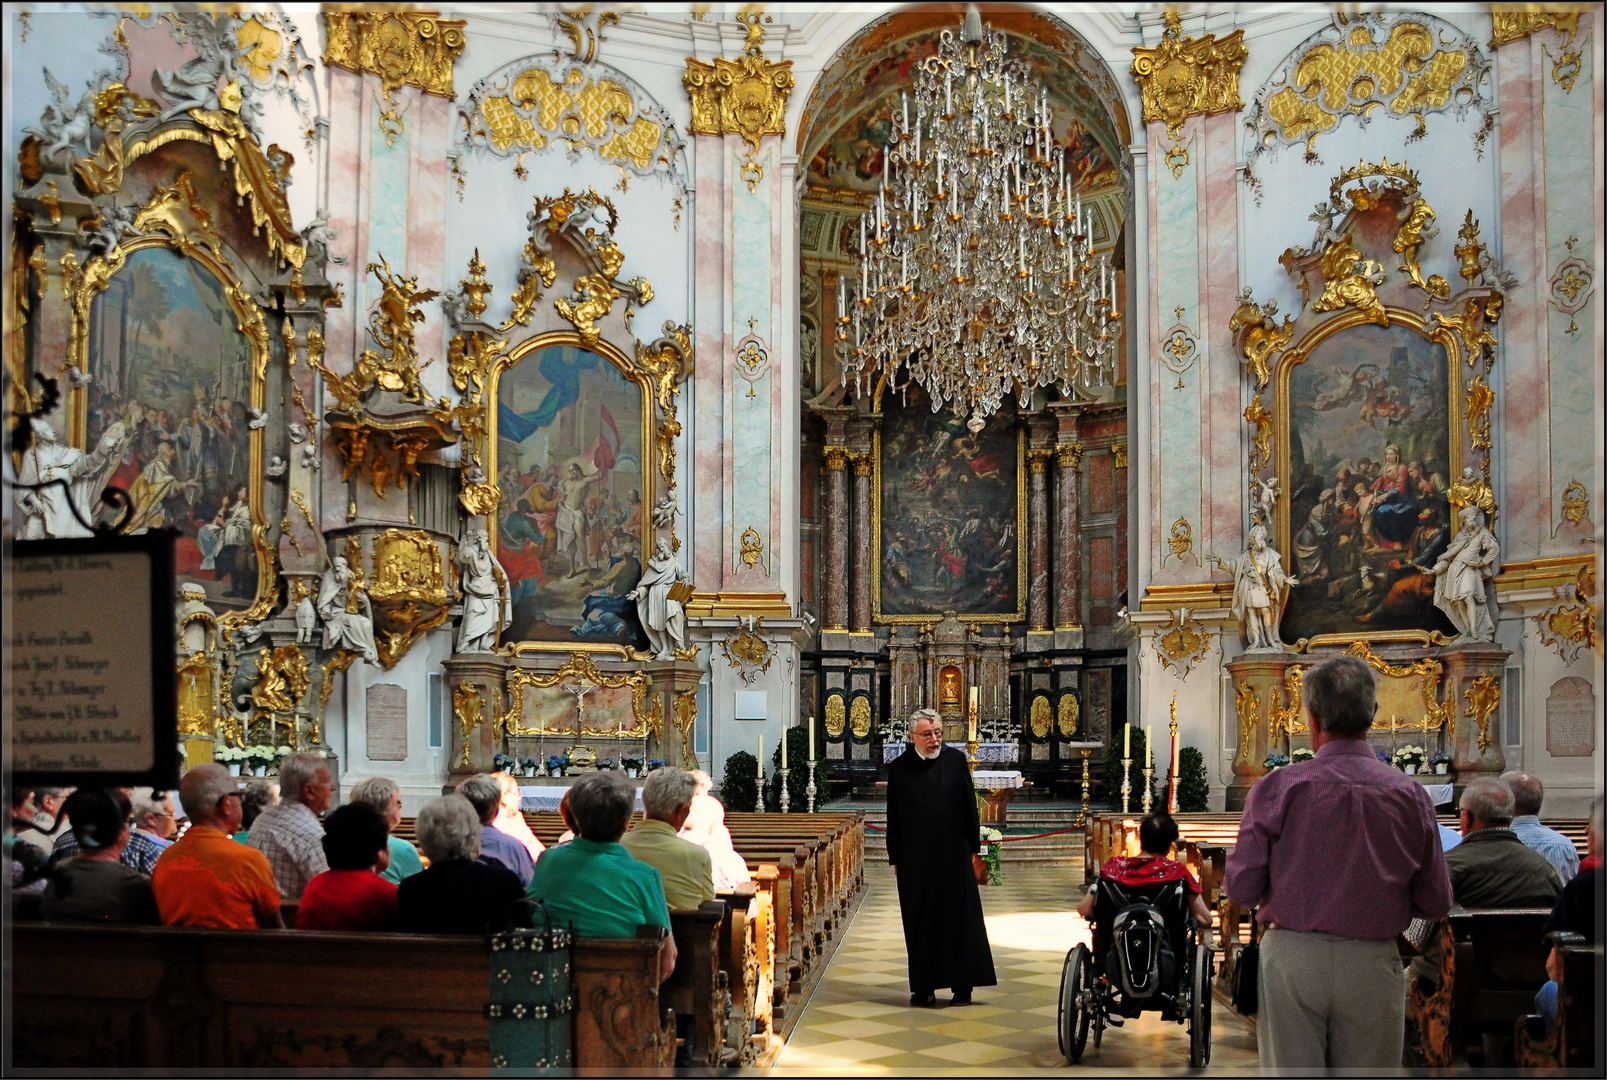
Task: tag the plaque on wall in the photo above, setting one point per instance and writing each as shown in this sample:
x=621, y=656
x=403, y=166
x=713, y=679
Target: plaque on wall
x=1571, y=718
x=387, y=722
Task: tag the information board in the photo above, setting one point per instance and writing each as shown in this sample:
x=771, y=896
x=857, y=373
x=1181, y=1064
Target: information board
x=91, y=661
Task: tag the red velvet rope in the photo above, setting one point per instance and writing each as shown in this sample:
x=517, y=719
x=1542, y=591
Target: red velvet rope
x=1003, y=839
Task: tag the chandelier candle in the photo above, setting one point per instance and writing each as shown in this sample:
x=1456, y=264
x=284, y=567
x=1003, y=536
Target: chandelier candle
x=975, y=131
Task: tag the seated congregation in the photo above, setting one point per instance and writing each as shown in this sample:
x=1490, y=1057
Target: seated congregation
x=121, y=856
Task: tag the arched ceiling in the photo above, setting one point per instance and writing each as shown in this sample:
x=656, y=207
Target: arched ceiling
x=845, y=122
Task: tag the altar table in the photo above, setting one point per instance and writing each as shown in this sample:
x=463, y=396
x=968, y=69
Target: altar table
x=1000, y=787
x=992, y=752
x=547, y=797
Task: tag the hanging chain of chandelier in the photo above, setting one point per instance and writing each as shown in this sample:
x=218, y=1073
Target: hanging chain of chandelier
x=977, y=274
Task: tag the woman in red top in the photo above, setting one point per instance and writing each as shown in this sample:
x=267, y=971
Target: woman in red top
x=351, y=895
x=1156, y=835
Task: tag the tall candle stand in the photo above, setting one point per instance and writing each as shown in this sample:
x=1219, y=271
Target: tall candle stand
x=970, y=754
x=786, y=800
x=1127, y=783
x=1082, y=815
x=810, y=790
x=1149, y=774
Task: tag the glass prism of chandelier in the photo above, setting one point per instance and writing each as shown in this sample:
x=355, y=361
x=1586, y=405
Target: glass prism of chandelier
x=977, y=275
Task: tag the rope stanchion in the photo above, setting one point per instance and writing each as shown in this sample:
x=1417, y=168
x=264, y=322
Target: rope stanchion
x=1003, y=839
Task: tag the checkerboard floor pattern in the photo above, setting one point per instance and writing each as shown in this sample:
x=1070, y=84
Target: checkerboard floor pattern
x=859, y=1021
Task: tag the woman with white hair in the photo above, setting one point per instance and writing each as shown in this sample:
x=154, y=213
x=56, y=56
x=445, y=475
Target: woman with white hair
x=458, y=894
x=705, y=826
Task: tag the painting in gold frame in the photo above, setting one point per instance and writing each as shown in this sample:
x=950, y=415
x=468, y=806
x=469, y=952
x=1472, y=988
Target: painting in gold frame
x=1369, y=436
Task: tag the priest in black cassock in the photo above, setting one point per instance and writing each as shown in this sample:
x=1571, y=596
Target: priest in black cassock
x=932, y=833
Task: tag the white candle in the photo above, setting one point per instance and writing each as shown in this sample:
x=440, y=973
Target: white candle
x=948, y=96
x=1127, y=741
x=862, y=234
x=905, y=100
x=842, y=303
x=761, y=755
x=783, y=748
x=811, y=740
x=1149, y=745
x=956, y=260
x=954, y=196
x=1007, y=93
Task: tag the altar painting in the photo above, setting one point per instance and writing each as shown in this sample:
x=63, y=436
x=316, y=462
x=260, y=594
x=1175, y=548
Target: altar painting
x=172, y=387
x=568, y=429
x=948, y=529
x=1370, y=463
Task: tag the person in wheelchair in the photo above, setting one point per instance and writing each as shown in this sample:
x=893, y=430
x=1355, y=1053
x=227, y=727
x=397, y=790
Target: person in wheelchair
x=1141, y=909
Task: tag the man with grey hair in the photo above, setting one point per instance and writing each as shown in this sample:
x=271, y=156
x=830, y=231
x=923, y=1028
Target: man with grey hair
x=683, y=866
x=485, y=794
x=458, y=894
x=1527, y=796
x=290, y=834
x=592, y=883
x=207, y=878
x=933, y=834
x=385, y=795
x=1340, y=853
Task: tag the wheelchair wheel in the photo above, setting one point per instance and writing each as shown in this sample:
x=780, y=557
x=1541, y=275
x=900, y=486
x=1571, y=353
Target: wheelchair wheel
x=1200, y=1009
x=1076, y=992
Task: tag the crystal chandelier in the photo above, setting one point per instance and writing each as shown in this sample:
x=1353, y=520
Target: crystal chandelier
x=977, y=274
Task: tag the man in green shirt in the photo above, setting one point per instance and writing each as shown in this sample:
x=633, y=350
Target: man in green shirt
x=683, y=866
x=591, y=883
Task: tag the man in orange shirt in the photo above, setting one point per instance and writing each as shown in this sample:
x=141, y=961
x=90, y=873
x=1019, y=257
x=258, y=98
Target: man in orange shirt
x=208, y=878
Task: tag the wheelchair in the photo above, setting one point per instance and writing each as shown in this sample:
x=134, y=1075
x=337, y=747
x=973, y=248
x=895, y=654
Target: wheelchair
x=1090, y=991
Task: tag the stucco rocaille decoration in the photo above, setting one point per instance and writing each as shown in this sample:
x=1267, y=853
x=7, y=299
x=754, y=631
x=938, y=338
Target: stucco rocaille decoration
x=1407, y=65
x=1183, y=77
x=412, y=48
x=746, y=97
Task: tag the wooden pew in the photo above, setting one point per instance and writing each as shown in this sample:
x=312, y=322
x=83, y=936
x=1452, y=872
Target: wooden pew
x=1572, y=1043
x=1492, y=960
x=699, y=986
x=126, y=997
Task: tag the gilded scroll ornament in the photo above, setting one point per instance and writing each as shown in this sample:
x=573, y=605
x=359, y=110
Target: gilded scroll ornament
x=1427, y=671
x=412, y=48
x=1417, y=225
x=1575, y=502
x=282, y=680
x=1040, y=717
x=1068, y=715
x=1350, y=280
x=1469, y=250
x=1471, y=327
x=1470, y=489
x=748, y=651
x=1423, y=65
x=1479, y=399
x=1483, y=697
x=409, y=592
x=669, y=361
x=1285, y=720
x=1247, y=705
x=472, y=289
x=1181, y=538
x=1184, y=645
x=468, y=706
x=859, y=717
x=746, y=97
x=577, y=674
x=1572, y=626
x=1258, y=415
x=836, y=716
x=752, y=547
x=1118, y=453
x=1571, y=285
x=1178, y=347
x=1183, y=77
x=1262, y=337
x=685, y=719
x=1518, y=21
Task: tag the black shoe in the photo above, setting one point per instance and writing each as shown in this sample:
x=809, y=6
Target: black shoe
x=961, y=997
x=923, y=1001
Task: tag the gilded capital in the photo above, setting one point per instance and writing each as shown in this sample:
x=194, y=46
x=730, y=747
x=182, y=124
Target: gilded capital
x=864, y=465
x=837, y=457
x=746, y=97
x=1183, y=77
x=1038, y=460
x=1069, y=455
x=1119, y=452
x=413, y=48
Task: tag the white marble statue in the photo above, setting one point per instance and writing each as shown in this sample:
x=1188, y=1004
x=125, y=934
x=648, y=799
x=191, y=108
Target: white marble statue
x=1463, y=585
x=343, y=627
x=1260, y=589
x=487, y=599
x=48, y=513
x=663, y=617
x=306, y=619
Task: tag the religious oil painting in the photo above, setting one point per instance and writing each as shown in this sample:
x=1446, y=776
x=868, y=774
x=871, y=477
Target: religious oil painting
x=170, y=411
x=1370, y=464
x=949, y=534
x=569, y=527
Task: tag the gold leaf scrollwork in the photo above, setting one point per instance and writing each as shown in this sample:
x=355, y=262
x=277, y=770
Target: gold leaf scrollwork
x=1258, y=415
x=1068, y=715
x=1184, y=645
x=1247, y=705
x=1417, y=220
x=746, y=97
x=1263, y=338
x=1575, y=502
x=836, y=716
x=685, y=718
x=859, y=717
x=474, y=288
x=669, y=361
x=1571, y=627
x=1349, y=279
x=391, y=325
x=748, y=651
x=1469, y=250
x=752, y=547
x=1427, y=671
x=1041, y=716
x=468, y=706
x=1285, y=720
x=1471, y=490
x=1181, y=539
x=412, y=48
x=1471, y=327
x=1483, y=697
x=580, y=671
x=1183, y=77
x=1518, y=22
x=1479, y=399
x=409, y=592
x=282, y=683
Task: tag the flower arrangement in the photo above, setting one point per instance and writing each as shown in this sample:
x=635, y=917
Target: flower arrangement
x=1384, y=756
x=503, y=762
x=606, y=765
x=654, y=763
x=1301, y=753
x=1274, y=760
x=528, y=766
x=1409, y=759
x=631, y=765
x=990, y=855
x=556, y=763
x=232, y=755
x=284, y=751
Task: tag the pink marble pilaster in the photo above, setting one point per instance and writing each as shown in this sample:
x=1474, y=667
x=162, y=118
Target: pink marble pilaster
x=836, y=528
x=864, y=563
x=1222, y=435
x=1038, y=540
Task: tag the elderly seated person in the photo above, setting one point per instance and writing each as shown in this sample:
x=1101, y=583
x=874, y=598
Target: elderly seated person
x=351, y=895
x=1491, y=867
x=205, y=878
x=592, y=883
x=705, y=826
x=682, y=866
x=385, y=796
x=94, y=886
x=257, y=796
x=289, y=834
x=145, y=845
x=458, y=894
x=495, y=845
x=1527, y=796
x=511, y=820
x=1575, y=912
x=1152, y=866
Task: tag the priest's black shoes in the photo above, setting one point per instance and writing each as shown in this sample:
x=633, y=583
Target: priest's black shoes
x=961, y=997
x=923, y=1001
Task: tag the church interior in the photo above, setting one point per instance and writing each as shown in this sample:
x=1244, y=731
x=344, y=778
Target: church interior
x=665, y=394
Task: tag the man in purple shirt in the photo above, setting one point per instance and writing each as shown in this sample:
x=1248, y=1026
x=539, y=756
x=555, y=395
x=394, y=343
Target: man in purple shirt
x=1340, y=853
x=496, y=846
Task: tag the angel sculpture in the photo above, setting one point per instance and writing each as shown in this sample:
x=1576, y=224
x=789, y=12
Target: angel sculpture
x=63, y=125
x=319, y=240
x=1265, y=500
x=102, y=233
x=196, y=83
x=1326, y=233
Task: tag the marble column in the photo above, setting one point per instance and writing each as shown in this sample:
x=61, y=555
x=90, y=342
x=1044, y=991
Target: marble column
x=1118, y=453
x=1068, y=538
x=836, y=526
x=1038, y=538
x=864, y=563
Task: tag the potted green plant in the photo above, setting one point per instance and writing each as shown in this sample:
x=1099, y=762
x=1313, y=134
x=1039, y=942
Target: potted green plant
x=739, y=789
x=555, y=764
x=234, y=757
x=527, y=766
x=1193, y=787
x=1441, y=762
x=990, y=855
x=1409, y=759
x=632, y=766
x=503, y=762
x=259, y=757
